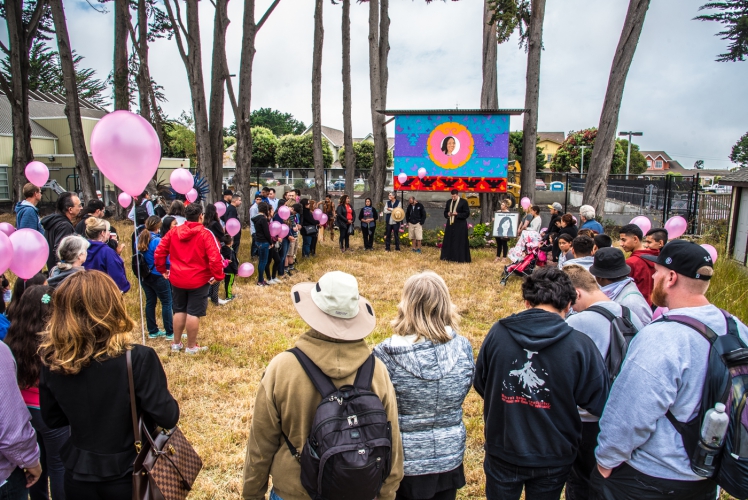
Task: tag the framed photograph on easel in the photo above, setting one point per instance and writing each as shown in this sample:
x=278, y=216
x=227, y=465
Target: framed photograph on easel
x=505, y=225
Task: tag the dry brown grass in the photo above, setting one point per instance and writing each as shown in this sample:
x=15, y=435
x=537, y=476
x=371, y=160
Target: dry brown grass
x=216, y=390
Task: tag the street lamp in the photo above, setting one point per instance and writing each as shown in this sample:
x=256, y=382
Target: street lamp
x=581, y=165
x=628, y=156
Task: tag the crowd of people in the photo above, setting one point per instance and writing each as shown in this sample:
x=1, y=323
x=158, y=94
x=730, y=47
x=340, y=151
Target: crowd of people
x=557, y=414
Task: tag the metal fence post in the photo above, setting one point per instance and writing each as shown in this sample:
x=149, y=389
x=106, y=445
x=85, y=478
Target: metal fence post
x=566, y=197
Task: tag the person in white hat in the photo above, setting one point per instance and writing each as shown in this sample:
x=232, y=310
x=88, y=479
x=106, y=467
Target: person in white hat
x=339, y=320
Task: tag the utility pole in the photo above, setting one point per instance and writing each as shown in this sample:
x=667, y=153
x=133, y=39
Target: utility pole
x=628, y=156
x=581, y=165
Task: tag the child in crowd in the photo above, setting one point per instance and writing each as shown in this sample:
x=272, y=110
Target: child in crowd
x=231, y=266
x=564, y=244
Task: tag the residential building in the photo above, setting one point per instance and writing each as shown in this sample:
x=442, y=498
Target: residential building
x=51, y=145
x=660, y=163
x=737, y=237
x=549, y=142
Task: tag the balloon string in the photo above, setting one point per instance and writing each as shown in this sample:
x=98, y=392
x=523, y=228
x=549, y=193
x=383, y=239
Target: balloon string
x=140, y=286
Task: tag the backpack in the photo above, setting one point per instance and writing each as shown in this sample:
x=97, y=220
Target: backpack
x=726, y=381
x=622, y=330
x=141, y=214
x=138, y=261
x=347, y=455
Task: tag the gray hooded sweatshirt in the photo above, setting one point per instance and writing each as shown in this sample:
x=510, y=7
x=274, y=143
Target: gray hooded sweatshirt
x=431, y=382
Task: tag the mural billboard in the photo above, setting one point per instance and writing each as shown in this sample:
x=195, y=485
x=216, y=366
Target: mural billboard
x=460, y=150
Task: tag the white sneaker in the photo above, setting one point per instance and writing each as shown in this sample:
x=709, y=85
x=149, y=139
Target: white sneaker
x=222, y=302
x=272, y=282
x=276, y=281
x=177, y=347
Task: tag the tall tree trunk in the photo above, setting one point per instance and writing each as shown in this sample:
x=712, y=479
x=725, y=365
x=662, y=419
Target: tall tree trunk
x=596, y=188
x=242, y=175
x=379, y=48
x=489, y=95
x=72, y=107
x=192, y=58
x=20, y=37
x=532, y=97
x=121, y=70
x=143, y=78
x=319, y=165
x=217, y=95
x=350, y=153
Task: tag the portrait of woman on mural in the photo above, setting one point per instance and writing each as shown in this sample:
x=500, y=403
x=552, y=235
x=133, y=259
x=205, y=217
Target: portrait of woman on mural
x=450, y=146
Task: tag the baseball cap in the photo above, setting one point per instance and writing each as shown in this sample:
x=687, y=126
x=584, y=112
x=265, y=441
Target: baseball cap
x=683, y=257
x=227, y=192
x=556, y=206
x=609, y=263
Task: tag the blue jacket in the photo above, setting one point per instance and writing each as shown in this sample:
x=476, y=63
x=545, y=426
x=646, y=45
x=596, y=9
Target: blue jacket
x=594, y=225
x=148, y=255
x=4, y=325
x=27, y=216
x=102, y=258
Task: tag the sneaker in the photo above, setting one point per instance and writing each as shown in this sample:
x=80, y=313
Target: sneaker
x=418, y=250
x=156, y=335
x=262, y=283
x=270, y=282
x=229, y=299
x=195, y=350
x=169, y=337
x=177, y=347
x=222, y=302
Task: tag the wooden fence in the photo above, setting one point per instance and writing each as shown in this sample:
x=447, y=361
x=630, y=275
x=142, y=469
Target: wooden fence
x=713, y=208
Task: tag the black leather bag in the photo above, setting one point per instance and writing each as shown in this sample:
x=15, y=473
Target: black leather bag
x=310, y=230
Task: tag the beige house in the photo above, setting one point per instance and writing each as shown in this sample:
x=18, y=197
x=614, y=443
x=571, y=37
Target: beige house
x=51, y=144
x=549, y=142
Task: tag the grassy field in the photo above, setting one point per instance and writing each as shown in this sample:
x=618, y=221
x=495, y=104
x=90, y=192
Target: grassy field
x=216, y=390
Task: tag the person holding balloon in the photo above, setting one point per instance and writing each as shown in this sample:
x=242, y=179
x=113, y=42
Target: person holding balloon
x=101, y=257
x=27, y=215
x=263, y=238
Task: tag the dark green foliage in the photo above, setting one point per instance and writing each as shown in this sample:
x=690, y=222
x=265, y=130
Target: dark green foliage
x=739, y=152
x=509, y=15
x=516, y=147
x=568, y=155
x=278, y=122
x=364, y=151
x=295, y=152
x=733, y=14
x=264, y=147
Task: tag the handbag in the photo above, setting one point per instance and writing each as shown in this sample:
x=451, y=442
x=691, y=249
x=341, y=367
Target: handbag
x=311, y=230
x=167, y=465
x=350, y=228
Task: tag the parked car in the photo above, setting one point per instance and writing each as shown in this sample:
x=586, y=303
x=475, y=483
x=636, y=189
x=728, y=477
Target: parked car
x=540, y=185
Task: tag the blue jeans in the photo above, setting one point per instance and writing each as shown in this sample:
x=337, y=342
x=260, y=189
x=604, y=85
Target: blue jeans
x=50, y=442
x=15, y=487
x=264, y=250
x=156, y=288
x=306, y=249
x=504, y=481
x=283, y=251
x=273, y=496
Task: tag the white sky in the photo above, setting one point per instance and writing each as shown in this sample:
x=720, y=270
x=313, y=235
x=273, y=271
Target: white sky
x=683, y=101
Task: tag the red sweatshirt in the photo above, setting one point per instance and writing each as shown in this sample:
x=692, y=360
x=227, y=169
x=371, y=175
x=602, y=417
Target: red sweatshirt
x=193, y=253
x=642, y=271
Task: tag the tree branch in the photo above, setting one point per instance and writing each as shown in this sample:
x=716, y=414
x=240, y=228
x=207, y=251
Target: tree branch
x=230, y=87
x=177, y=34
x=34, y=22
x=179, y=18
x=5, y=86
x=266, y=15
x=4, y=48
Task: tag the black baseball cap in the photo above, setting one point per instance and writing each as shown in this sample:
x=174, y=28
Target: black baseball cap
x=227, y=192
x=609, y=263
x=683, y=257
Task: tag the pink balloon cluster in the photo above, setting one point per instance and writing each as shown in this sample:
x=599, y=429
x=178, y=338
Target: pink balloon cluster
x=675, y=227
x=181, y=180
x=643, y=222
x=317, y=214
x=7, y=229
x=29, y=252
x=422, y=173
x=220, y=208
x=191, y=195
x=323, y=219
x=246, y=270
x=284, y=231
x=284, y=212
x=124, y=200
x=37, y=173
x=275, y=228
x=525, y=203
x=127, y=150
x=233, y=226
x=402, y=177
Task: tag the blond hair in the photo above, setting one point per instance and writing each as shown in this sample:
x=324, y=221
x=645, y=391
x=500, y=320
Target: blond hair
x=581, y=278
x=426, y=309
x=89, y=322
x=96, y=226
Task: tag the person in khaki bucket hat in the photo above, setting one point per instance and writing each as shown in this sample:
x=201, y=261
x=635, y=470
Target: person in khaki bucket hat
x=339, y=319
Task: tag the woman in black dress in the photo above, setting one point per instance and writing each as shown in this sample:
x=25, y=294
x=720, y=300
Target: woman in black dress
x=456, y=247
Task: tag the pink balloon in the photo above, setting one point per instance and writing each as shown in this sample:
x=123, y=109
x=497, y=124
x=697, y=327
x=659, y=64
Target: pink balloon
x=126, y=149
x=284, y=212
x=284, y=231
x=323, y=219
x=246, y=270
x=659, y=312
x=220, y=208
x=191, y=195
x=402, y=177
x=275, y=228
x=30, y=252
x=712, y=251
x=233, y=226
x=676, y=226
x=6, y=252
x=124, y=199
x=525, y=203
x=181, y=180
x=37, y=173
x=317, y=214
x=6, y=228
x=643, y=222
x=422, y=173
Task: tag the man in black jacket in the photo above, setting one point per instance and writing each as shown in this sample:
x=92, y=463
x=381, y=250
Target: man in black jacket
x=415, y=216
x=533, y=371
x=232, y=212
x=60, y=224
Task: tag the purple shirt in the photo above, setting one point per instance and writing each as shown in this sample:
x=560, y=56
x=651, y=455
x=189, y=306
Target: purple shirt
x=18, y=446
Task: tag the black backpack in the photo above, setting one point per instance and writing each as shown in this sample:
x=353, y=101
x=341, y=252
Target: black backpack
x=141, y=214
x=347, y=455
x=139, y=266
x=726, y=382
x=622, y=330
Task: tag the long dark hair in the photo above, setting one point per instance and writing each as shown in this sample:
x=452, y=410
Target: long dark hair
x=210, y=216
x=501, y=223
x=27, y=320
x=343, y=199
x=21, y=286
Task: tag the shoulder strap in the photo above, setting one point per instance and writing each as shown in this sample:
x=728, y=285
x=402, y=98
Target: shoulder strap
x=321, y=382
x=365, y=374
x=133, y=409
x=602, y=311
x=694, y=323
x=626, y=313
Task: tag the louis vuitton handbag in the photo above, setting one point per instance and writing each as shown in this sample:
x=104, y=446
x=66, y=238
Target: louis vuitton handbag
x=167, y=465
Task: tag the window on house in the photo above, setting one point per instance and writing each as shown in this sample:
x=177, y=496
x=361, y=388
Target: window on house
x=658, y=164
x=4, y=183
x=548, y=158
x=649, y=163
